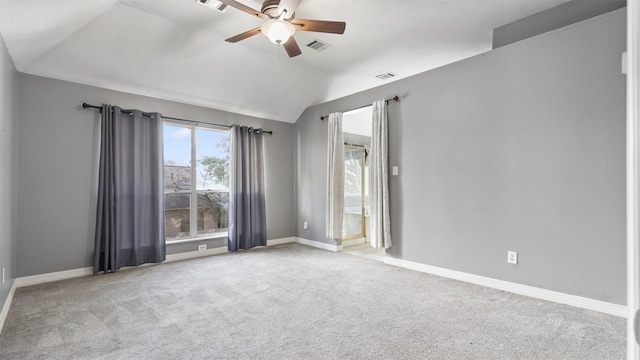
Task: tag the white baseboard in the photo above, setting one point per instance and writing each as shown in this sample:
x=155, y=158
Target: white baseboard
x=281, y=241
x=534, y=292
x=54, y=276
x=319, y=245
x=74, y=273
x=7, y=304
x=562, y=298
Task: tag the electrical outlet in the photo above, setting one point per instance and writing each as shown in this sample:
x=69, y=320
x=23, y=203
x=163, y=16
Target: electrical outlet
x=202, y=247
x=394, y=171
x=305, y=225
x=512, y=257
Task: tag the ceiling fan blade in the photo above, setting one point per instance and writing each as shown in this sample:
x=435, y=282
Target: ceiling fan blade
x=292, y=47
x=289, y=6
x=244, y=35
x=333, y=27
x=244, y=8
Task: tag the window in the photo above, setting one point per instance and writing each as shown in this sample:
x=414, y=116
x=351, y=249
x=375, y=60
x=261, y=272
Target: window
x=206, y=184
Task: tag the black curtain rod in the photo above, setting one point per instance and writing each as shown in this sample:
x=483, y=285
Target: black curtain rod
x=87, y=106
x=395, y=98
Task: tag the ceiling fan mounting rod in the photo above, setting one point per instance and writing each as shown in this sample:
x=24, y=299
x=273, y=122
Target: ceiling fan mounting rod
x=283, y=16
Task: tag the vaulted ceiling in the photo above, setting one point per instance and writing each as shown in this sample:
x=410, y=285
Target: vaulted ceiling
x=175, y=49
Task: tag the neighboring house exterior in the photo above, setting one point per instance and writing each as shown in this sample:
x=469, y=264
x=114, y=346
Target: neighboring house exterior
x=213, y=206
x=177, y=178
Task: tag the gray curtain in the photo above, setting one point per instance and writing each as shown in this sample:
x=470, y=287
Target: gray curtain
x=130, y=214
x=247, y=214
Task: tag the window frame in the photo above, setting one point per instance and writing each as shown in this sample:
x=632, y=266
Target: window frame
x=193, y=192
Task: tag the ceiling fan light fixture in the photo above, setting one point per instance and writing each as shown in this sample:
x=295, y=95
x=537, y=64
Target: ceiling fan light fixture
x=278, y=31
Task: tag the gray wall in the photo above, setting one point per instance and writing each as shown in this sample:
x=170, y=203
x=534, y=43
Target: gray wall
x=8, y=170
x=58, y=156
x=521, y=148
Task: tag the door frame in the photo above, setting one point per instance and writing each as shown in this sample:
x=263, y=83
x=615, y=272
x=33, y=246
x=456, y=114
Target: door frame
x=633, y=194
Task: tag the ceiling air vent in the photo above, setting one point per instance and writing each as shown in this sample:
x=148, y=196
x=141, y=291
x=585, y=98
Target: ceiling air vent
x=213, y=4
x=386, y=76
x=318, y=45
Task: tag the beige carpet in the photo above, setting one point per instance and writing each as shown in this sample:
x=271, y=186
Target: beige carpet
x=295, y=302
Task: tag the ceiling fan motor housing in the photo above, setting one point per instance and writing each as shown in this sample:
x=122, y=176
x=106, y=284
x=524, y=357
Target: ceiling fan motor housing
x=270, y=8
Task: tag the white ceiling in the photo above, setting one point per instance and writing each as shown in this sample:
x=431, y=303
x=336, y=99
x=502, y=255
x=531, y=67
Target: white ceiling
x=175, y=49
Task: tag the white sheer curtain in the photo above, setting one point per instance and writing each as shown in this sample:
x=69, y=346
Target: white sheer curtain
x=335, y=177
x=380, y=221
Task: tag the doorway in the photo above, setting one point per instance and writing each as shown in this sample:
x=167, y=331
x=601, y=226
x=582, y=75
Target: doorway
x=355, y=193
x=356, y=131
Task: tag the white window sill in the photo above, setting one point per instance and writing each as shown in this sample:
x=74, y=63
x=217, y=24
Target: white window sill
x=222, y=235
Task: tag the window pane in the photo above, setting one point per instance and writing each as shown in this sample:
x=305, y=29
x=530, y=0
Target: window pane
x=353, y=172
x=176, y=215
x=212, y=154
x=177, y=158
x=213, y=212
x=209, y=174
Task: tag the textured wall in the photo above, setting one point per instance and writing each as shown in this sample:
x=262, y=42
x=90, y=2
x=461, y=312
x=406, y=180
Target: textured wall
x=521, y=148
x=58, y=154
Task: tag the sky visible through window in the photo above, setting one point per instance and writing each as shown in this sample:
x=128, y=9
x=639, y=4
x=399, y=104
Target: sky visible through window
x=177, y=150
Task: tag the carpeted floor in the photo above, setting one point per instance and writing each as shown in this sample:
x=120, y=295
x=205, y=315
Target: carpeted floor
x=295, y=302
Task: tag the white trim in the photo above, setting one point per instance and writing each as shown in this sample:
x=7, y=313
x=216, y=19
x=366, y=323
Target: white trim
x=219, y=250
x=194, y=254
x=198, y=125
x=7, y=304
x=319, y=245
x=633, y=194
x=534, y=292
x=562, y=298
x=74, y=273
x=54, y=276
x=193, y=210
x=287, y=240
x=221, y=235
x=353, y=242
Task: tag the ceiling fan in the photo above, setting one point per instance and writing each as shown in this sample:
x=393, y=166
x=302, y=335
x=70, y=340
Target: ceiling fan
x=280, y=23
